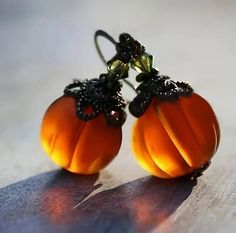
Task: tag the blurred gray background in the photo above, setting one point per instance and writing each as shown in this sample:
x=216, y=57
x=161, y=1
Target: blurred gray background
x=45, y=44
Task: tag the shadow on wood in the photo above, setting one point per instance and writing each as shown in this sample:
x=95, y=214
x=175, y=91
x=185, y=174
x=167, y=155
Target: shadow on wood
x=44, y=203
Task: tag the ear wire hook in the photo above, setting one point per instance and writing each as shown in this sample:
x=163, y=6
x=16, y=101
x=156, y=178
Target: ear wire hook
x=104, y=34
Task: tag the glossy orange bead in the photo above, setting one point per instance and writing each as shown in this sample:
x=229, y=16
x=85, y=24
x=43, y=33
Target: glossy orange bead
x=173, y=138
x=79, y=146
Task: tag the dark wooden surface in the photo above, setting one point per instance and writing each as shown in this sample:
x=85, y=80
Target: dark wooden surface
x=49, y=203
x=46, y=44
x=57, y=202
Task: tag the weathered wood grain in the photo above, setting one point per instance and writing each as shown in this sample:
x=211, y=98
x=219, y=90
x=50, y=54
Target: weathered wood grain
x=49, y=203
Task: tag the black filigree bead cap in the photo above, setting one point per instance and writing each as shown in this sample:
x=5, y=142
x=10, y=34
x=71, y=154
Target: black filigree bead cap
x=96, y=96
x=139, y=104
x=156, y=86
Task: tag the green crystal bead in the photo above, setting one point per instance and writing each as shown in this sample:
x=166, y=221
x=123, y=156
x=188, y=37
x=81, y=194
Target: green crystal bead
x=118, y=67
x=143, y=63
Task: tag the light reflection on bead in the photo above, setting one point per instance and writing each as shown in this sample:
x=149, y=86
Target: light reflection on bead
x=173, y=139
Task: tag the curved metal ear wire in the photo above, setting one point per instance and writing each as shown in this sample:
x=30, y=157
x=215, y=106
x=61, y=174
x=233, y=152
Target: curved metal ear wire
x=131, y=54
x=105, y=35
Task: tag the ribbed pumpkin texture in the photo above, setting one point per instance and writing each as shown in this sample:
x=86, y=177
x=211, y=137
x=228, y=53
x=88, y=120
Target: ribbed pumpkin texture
x=79, y=146
x=173, y=138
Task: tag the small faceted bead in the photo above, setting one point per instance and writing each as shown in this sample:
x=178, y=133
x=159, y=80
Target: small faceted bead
x=173, y=138
x=79, y=146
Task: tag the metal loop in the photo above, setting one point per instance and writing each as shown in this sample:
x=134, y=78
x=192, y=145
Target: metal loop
x=112, y=40
x=106, y=36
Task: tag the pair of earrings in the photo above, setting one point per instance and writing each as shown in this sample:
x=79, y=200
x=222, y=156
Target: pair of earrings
x=176, y=132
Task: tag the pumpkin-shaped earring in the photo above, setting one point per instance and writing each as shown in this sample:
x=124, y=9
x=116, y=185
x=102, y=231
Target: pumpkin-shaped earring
x=81, y=131
x=176, y=132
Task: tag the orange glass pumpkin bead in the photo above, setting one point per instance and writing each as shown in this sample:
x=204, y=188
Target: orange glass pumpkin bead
x=175, y=138
x=81, y=131
x=176, y=132
x=79, y=146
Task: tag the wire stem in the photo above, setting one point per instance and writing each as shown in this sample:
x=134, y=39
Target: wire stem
x=111, y=39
